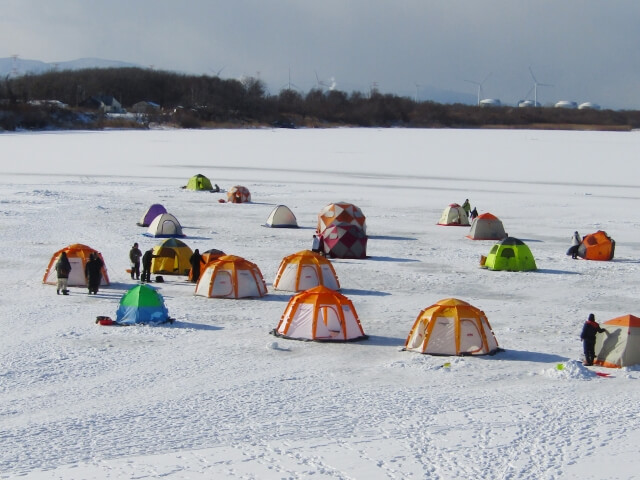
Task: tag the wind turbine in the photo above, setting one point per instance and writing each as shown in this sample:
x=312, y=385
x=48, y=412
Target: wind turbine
x=535, y=87
x=322, y=83
x=290, y=85
x=479, y=84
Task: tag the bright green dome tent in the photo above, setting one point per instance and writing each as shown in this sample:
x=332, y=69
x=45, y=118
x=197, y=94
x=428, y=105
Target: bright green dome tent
x=510, y=254
x=199, y=182
x=142, y=304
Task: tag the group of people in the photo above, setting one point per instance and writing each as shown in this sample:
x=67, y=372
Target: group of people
x=92, y=273
x=466, y=206
x=137, y=258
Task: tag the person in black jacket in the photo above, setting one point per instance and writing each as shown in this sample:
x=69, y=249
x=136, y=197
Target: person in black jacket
x=93, y=272
x=588, y=336
x=134, y=256
x=195, y=260
x=147, y=258
x=63, y=268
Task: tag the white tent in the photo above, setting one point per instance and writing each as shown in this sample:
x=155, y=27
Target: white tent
x=454, y=214
x=282, y=217
x=165, y=225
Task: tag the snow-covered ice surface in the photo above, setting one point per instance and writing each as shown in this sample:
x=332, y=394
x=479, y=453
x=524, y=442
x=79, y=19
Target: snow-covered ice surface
x=213, y=395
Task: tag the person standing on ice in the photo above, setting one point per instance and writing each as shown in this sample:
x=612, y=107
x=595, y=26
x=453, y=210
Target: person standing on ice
x=93, y=272
x=466, y=206
x=196, y=260
x=147, y=258
x=575, y=244
x=588, y=336
x=134, y=256
x=63, y=268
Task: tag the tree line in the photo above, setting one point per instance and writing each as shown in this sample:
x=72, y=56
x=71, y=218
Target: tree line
x=203, y=101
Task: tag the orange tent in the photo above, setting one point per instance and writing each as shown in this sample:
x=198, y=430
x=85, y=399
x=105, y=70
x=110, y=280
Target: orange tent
x=78, y=256
x=341, y=212
x=452, y=327
x=304, y=270
x=620, y=345
x=597, y=246
x=230, y=276
x=238, y=194
x=320, y=314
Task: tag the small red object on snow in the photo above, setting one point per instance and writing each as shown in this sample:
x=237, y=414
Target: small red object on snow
x=105, y=321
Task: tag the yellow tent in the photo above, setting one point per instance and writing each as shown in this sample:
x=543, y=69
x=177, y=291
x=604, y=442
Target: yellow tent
x=172, y=258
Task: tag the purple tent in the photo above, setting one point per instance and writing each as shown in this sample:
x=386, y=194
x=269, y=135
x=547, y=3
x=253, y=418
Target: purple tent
x=153, y=211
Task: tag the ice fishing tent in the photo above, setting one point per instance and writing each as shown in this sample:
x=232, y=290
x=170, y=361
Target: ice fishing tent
x=231, y=277
x=320, y=314
x=152, y=212
x=165, y=225
x=341, y=212
x=282, y=217
x=454, y=215
x=304, y=270
x=238, y=194
x=510, y=254
x=199, y=182
x=172, y=258
x=344, y=240
x=142, y=304
x=78, y=256
x=486, y=227
x=597, y=246
x=207, y=256
x=452, y=327
x=620, y=346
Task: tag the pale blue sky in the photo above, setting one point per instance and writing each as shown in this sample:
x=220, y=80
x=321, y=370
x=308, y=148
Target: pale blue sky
x=588, y=50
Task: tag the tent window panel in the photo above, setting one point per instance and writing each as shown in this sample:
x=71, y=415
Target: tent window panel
x=494, y=249
x=507, y=253
x=331, y=319
x=470, y=337
x=442, y=338
x=308, y=278
x=591, y=240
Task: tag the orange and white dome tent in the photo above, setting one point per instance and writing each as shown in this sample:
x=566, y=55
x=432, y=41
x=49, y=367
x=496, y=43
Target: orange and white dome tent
x=78, y=255
x=320, y=314
x=304, y=270
x=341, y=212
x=486, y=227
x=230, y=276
x=454, y=215
x=620, y=345
x=452, y=327
x=238, y=194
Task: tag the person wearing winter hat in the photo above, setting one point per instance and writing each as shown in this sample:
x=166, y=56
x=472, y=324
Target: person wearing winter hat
x=588, y=337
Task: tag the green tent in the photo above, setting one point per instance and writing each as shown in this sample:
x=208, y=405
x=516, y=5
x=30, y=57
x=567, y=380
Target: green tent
x=142, y=304
x=199, y=182
x=510, y=254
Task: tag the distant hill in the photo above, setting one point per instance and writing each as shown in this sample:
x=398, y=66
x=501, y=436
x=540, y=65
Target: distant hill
x=23, y=66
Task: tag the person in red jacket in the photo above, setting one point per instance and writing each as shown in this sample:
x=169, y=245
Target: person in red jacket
x=588, y=336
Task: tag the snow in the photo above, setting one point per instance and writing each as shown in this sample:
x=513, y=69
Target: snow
x=213, y=395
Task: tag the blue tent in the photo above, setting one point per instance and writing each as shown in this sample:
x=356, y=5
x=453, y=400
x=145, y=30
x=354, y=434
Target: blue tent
x=142, y=304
